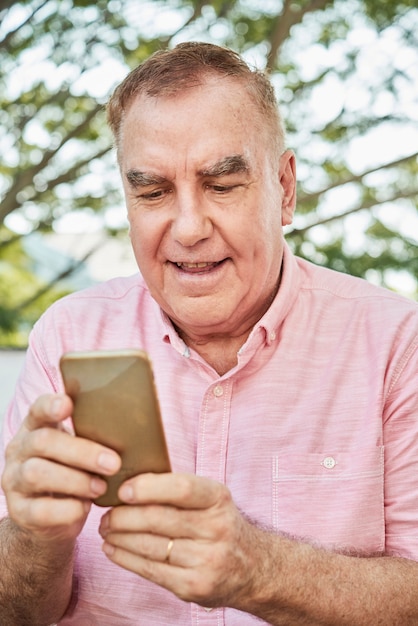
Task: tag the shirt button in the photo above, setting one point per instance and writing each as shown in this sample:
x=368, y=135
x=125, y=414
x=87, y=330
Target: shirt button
x=218, y=391
x=272, y=336
x=207, y=608
x=329, y=462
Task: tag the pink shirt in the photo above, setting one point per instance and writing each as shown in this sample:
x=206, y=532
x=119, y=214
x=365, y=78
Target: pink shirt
x=315, y=431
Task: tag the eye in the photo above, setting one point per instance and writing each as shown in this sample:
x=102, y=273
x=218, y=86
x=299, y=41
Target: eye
x=154, y=195
x=221, y=188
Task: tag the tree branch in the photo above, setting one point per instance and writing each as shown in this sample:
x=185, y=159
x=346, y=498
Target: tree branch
x=290, y=15
x=197, y=11
x=24, y=178
x=4, y=42
x=300, y=232
x=313, y=197
x=70, y=174
x=64, y=274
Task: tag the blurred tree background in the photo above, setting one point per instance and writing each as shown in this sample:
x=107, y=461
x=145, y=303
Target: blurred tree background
x=346, y=74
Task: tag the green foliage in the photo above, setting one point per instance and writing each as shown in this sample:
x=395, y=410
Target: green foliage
x=17, y=286
x=343, y=70
x=385, y=12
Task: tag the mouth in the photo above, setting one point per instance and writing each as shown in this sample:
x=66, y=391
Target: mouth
x=198, y=268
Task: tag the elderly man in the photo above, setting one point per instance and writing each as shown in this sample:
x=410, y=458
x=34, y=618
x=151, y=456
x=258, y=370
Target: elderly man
x=288, y=394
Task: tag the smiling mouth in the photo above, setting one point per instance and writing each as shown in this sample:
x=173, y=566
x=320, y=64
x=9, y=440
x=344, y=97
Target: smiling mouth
x=198, y=267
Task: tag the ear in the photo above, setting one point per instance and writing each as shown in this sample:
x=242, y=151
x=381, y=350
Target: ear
x=287, y=176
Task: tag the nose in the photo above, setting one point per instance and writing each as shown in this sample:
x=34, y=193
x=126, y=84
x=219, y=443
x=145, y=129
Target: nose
x=191, y=222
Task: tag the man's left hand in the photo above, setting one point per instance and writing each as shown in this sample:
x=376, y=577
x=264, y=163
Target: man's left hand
x=185, y=533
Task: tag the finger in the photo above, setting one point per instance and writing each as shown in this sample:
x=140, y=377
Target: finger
x=180, y=552
x=37, y=476
x=50, y=517
x=161, y=520
x=141, y=564
x=59, y=446
x=187, y=583
x=48, y=410
x=181, y=490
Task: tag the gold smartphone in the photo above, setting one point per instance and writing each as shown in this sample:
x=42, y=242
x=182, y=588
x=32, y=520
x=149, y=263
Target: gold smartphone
x=116, y=404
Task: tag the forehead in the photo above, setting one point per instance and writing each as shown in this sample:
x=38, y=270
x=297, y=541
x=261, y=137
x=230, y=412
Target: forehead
x=208, y=121
x=210, y=86
x=218, y=100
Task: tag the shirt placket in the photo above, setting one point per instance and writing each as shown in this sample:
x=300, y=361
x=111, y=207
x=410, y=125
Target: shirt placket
x=211, y=456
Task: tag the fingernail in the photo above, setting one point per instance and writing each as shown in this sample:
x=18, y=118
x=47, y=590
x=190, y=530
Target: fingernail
x=56, y=407
x=108, y=461
x=126, y=493
x=97, y=486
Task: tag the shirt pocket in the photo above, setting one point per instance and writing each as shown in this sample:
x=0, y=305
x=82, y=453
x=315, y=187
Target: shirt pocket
x=333, y=498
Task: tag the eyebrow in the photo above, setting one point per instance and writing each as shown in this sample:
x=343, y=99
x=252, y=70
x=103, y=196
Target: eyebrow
x=233, y=164
x=136, y=179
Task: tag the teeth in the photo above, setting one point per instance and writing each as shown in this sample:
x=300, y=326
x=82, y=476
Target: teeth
x=193, y=265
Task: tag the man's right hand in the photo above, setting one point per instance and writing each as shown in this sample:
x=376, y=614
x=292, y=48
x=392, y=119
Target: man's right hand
x=50, y=475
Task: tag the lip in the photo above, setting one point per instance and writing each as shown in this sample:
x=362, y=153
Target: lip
x=199, y=267
x=199, y=275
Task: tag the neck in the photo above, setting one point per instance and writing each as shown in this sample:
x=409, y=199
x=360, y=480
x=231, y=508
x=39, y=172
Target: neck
x=220, y=352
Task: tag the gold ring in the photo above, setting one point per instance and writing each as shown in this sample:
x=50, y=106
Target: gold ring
x=169, y=549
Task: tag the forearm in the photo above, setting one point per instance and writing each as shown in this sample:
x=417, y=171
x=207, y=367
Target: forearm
x=35, y=579
x=303, y=585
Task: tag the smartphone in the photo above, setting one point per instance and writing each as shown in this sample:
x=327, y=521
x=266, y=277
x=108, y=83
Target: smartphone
x=116, y=404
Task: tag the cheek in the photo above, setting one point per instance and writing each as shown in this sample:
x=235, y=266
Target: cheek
x=146, y=240
x=142, y=229
x=270, y=239
x=138, y=240
x=269, y=224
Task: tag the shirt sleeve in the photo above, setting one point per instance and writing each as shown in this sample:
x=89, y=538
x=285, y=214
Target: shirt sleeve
x=400, y=428
x=36, y=378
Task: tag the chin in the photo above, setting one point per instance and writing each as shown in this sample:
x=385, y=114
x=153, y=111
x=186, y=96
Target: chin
x=200, y=321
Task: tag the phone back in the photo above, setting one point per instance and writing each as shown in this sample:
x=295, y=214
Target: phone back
x=115, y=404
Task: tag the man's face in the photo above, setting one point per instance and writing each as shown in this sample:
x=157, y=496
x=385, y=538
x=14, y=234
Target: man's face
x=206, y=203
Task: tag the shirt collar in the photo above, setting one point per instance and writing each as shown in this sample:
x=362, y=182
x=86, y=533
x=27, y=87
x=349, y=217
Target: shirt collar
x=284, y=300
